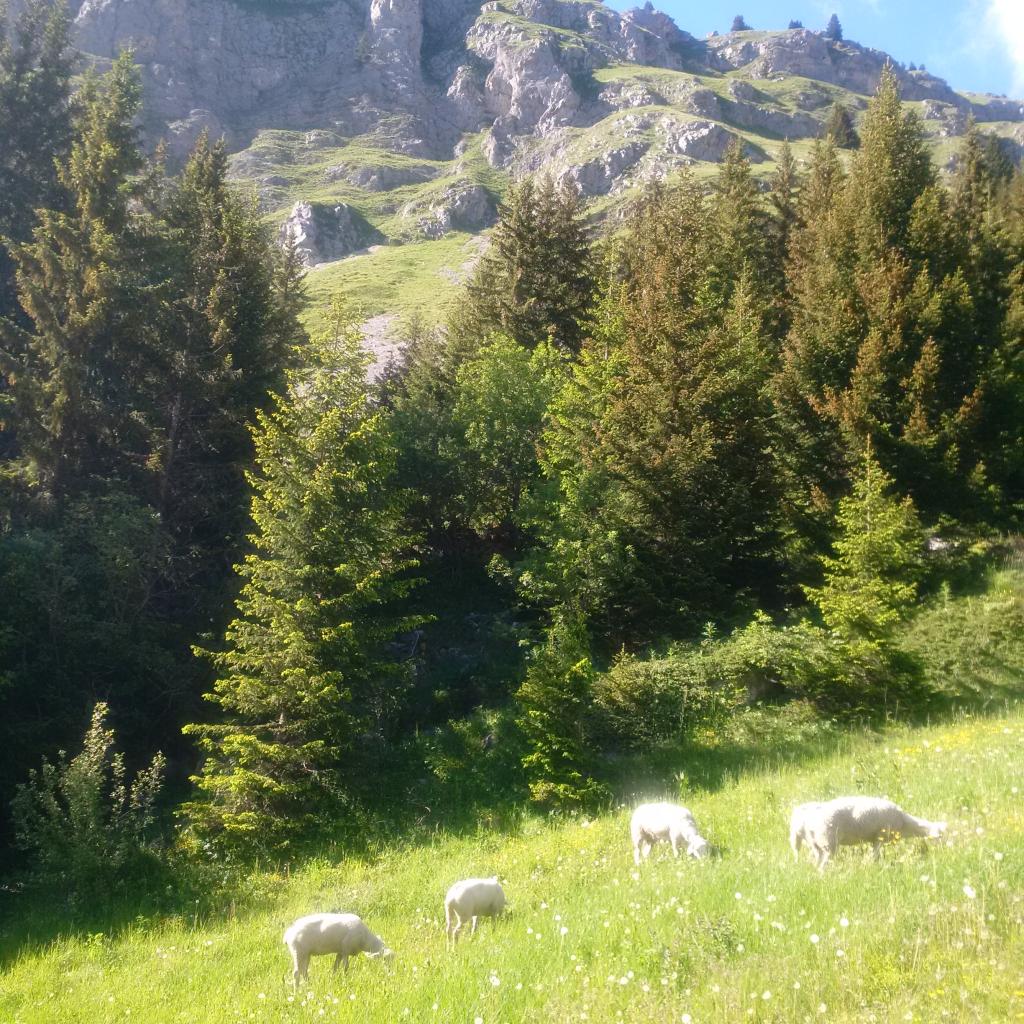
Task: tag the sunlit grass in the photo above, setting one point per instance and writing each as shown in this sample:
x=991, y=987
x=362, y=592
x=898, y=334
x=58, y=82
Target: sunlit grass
x=932, y=933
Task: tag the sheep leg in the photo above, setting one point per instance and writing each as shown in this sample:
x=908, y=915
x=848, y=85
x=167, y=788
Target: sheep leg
x=456, y=929
x=675, y=846
x=824, y=855
x=341, y=958
x=472, y=931
x=636, y=853
x=301, y=967
x=877, y=849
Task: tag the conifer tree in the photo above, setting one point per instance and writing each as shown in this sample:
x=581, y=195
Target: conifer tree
x=678, y=458
x=739, y=24
x=35, y=124
x=73, y=374
x=871, y=581
x=839, y=128
x=834, y=30
x=535, y=281
x=554, y=704
x=305, y=672
x=223, y=347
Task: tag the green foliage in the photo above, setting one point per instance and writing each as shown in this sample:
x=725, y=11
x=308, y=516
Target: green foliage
x=839, y=128
x=871, y=582
x=35, y=124
x=555, y=708
x=501, y=395
x=88, y=829
x=305, y=678
x=644, y=702
x=739, y=24
x=834, y=30
x=536, y=280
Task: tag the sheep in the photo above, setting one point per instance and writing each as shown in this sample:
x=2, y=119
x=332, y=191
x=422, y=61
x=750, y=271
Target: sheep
x=800, y=826
x=849, y=820
x=344, y=935
x=662, y=821
x=470, y=899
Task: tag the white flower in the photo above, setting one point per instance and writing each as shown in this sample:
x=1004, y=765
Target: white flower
x=815, y=939
x=840, y=953
x=766, y=994
x=969, y=891
x=563, y=930
x=844, y=922
x=495, y=980
x=997, y=855
x=686, y=1019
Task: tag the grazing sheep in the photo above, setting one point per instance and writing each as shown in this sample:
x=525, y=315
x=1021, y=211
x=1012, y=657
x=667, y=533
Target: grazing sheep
x=800, y=826
x=470, y=899
x=849, y=820
x=344, y=935
x=653, y=822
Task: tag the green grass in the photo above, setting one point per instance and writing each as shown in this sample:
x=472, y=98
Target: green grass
x=418, y=277
x=932, y=933
x=935, y=932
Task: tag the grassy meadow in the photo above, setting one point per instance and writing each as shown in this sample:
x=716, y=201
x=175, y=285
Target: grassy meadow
x=935, y=932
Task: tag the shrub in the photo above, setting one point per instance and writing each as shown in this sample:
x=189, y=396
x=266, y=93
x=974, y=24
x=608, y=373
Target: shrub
x=642, y=703
x=556, y=709
x=86, y=828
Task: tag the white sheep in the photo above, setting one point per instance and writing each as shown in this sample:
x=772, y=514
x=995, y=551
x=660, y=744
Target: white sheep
x=344, y=935
x=849, y=820
x=469, y=899
x=800, y=822
x=670, y=822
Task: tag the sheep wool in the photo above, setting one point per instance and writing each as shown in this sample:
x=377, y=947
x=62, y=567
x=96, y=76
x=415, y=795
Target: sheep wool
x=652, y=823
x=344, y=935
x=470, y=899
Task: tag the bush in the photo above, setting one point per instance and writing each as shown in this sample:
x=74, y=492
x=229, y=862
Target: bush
x=642, y=703
x=87, y=830
x=555, y=716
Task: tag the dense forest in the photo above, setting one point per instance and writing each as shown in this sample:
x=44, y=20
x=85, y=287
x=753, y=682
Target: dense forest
x=711, y=453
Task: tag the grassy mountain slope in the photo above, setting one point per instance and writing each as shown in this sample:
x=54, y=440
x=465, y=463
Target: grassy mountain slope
x=933, y=933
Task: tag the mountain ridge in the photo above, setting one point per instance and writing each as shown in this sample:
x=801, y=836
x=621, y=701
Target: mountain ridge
x=361, y=122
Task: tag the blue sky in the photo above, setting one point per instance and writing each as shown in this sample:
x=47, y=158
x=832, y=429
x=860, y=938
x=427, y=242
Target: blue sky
x=976, y=45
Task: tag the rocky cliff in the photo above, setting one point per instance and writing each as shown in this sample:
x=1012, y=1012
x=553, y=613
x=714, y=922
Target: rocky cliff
x=401, y=120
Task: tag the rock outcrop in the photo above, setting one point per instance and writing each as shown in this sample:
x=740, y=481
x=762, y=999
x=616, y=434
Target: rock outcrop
x=321, y=233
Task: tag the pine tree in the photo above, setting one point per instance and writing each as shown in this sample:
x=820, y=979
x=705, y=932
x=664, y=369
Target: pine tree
x=535, y=280
x=739, y=24
x=834, y=30
x=35, y=125
x=304, y=674
x=794, y=23
x=839, y=128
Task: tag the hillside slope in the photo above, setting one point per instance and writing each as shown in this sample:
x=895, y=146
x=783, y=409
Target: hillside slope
x=930, y=934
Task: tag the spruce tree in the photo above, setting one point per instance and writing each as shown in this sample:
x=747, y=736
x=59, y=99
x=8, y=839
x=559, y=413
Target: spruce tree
x=35, y=125
x=661, y=449
x=839, y=128
x=871, y=581
x=834, y=30
x=536, y=280
x=305, y=677
x=739, y=24
x=74, y=372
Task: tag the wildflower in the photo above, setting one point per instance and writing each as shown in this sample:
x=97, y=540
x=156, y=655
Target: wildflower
x=495, y=980
x=563, y=930
x=262, y=995
x=686, y=1019
x=997, y=855
x=969, y=891
x=844, y=922
x=815, y=939
x=840, y=953
x=766, y=994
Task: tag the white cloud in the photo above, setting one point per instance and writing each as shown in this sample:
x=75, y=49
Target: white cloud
x=1004, y=21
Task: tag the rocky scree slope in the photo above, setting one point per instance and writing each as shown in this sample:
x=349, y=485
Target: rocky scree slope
x=362, y=122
